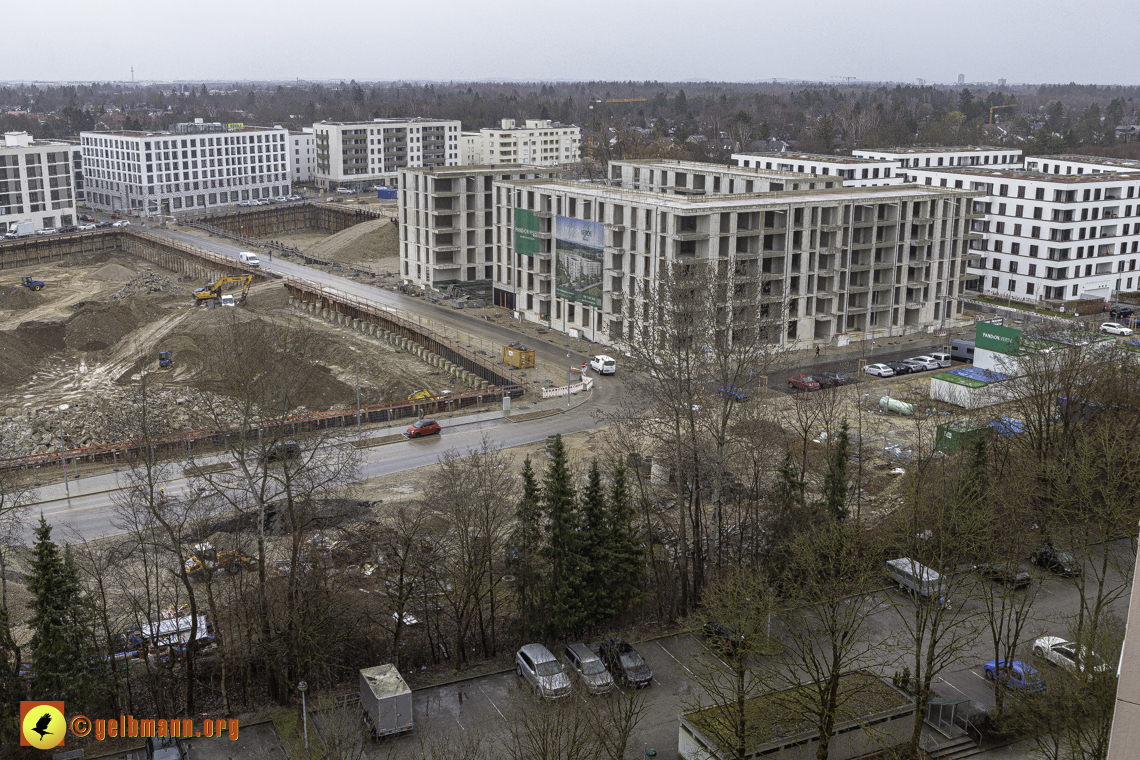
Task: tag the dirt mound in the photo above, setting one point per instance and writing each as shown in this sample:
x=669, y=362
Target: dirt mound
x=146, y=283
x=19, y=297
x=43, y=336
x=97, y=327
x=113, y=273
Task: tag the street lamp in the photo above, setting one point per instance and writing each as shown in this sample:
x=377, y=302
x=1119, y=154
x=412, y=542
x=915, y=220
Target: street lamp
x=358, y=399
x=303, y=687
x=62, y=455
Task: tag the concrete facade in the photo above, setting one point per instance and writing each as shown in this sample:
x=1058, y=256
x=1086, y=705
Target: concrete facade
x=302, y=155
x=361, y=154
x=197, y=166
x=37, y=182
x=539, y=142
x=855, y=172
x=693, y=178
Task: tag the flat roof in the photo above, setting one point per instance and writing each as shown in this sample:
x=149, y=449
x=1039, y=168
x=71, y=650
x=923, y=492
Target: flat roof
x=1126, y=163
x=164, y=133
x=410, y=120
x=702, y=166
x=819, y=157
x=1033, y=176
x=944, y=149
x=479, y=169
x=745, y=200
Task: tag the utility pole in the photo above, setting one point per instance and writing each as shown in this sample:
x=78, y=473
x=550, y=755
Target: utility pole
x=567, y=369
x=358, y=399
x=62, y=455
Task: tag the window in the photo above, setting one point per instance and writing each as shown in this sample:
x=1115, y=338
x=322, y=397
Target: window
x=1012, y=287
x=994, y=283
x=1035, y=232
x=1015, y=248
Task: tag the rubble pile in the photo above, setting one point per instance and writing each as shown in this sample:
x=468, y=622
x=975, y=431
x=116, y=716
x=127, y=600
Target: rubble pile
x=148, y=282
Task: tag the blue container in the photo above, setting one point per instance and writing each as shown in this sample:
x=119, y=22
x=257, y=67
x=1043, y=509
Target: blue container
x=386, y=193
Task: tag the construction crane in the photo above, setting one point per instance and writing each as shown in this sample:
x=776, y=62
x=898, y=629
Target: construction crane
x=994, y=108
x=215, y=290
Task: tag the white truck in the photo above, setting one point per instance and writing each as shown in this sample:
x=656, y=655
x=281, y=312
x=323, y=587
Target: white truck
x=386, y=699
x=916, y=578
x=21, y=229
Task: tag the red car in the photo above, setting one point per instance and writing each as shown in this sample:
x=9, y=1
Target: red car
x=803, y=383
x=421, y=428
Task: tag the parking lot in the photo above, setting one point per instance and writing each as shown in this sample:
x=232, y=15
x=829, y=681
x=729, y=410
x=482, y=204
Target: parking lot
x=482, y=704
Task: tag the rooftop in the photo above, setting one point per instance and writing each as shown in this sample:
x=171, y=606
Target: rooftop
x=478, y=169
x=815, y=157
x=982, y=172
x=166, y=133
x=409, y=120
x=701, y=166
x=1123, y=163
x=944, y=149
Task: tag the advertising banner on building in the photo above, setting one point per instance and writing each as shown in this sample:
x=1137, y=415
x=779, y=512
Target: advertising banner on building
x=1004, y=340
x=526, y=232
x=579, y=256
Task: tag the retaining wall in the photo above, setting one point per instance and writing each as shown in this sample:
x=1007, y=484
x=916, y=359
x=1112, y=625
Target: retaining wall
x=273, y=220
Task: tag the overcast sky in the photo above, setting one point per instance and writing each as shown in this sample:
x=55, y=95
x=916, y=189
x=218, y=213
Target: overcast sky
x=1088, y=41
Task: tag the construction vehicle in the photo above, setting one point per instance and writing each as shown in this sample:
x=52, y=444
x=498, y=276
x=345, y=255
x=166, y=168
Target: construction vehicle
x=206, y=559
x=213, y=291
x=165, y=359
x=422, y=395
x=31, y=284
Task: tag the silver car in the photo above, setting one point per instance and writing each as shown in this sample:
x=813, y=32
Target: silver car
x=589, y=668
x=536, y=664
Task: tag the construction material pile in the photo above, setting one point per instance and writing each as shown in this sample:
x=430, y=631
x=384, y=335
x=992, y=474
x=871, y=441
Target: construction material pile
x=146, y=283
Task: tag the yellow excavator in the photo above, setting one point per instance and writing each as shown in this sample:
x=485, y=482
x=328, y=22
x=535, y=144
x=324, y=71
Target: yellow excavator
x=215, y=290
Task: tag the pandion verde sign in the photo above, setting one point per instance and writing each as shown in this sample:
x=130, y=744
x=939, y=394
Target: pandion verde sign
x=526, y=232
x=1004, y=340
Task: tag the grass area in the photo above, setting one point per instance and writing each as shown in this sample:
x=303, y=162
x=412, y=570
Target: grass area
x=1023, y=307
x=787, y=713
x=287, y=721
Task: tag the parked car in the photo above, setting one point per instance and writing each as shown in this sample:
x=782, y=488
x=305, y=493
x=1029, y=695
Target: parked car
x=536, y=664
x=1057, y=560
x=942, y=359
x=86, y=218
x=122, y=223
x=46, y=231
x=1115, y=328
x=1016, y=675
x=603, y=364
x=925, y=362
x=1121, y=312
x=1006, y=573
x=588, y=668
x=85, y=227
x=420, y=428
x=802, y=383
x=962, y=350
x=900, y=368
x=282, y=450
x=722, y=638
x=69, y=228
x=103, y=225
x=1063, y=654
x=346, y=191
x=735, y=393
x=832, y=379
x=879, y=370
x=624, y=663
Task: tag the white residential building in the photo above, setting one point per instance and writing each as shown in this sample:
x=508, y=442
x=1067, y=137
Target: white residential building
x=540, y=142
x=698, y=178
x=446, y=223
x=841, y=264
x=855, y=171
x=1080, y=164
x=36, y=183
x=302, y=155
x=1057, y=237
x=970, y=155
x=198, y=165
x=472, y=148
x=363, y=154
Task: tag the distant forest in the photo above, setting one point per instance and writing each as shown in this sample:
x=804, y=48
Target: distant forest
x=701, y=121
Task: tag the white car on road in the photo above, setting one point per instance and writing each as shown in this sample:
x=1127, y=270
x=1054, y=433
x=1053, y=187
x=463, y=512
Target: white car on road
x=881, y=370
x=1115, y=328
x=1063, y=654
x=603, y=365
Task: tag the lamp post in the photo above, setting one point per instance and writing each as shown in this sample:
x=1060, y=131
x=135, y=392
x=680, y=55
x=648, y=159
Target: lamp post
x=62, y=454
x=303, y=687
x=358, y=399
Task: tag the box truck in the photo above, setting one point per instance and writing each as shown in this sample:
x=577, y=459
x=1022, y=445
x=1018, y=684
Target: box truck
x=386, y=699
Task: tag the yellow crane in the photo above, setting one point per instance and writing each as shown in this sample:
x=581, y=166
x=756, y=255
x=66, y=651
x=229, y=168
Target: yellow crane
x=994, y=108
x=215, y=290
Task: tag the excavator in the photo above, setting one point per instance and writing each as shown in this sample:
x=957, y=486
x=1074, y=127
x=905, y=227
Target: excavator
x=210, y=292
x=165, y=359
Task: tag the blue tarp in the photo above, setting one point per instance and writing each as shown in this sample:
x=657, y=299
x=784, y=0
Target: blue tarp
x=1007, y=427
x=981, y=375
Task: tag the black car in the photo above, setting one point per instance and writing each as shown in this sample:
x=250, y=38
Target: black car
x=1006, y=573
x=832, y=379
x=900, y=368
x=1057, y=560
x=1122, y=313
x=624, y=663
x=69, y=228
x=282, y=450
x=723, y=638
x=101, y=225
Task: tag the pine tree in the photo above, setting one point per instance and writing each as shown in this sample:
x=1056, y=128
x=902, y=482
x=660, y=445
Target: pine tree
x=62, y=632
x=596, y=547
x=559, y=509
x=627, y=556
x=524, y=557
x=835, y=482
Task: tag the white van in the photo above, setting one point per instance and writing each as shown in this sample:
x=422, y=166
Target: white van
x=228, y=300
x=249, y=259
x=916, y=578
x=603, y=365
x=941, y=358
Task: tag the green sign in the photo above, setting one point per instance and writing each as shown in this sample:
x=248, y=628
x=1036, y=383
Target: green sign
x=526, y=232
x=1004, y=340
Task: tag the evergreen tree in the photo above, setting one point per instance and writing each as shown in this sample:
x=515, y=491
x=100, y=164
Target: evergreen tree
x=559, y=509
x=62, y=630
x=11, y=685
x=524, y=557
x=627, y=556
x=596, y=557
x=835, y=482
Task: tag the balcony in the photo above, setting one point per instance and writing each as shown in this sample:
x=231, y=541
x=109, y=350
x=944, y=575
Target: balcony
x=689, y=235
x=615, y=227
